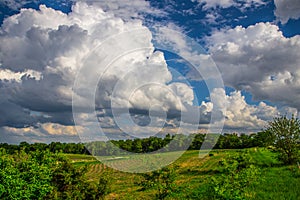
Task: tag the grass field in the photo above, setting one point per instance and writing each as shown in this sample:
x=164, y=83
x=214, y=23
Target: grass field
x=275, y=182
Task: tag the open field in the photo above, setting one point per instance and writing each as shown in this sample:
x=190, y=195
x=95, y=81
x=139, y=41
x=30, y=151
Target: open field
x=193, y=173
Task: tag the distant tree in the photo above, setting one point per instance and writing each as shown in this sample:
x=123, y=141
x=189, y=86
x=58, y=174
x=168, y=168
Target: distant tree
x=137, y=146
x=263, y=139
x=198, y=141
x=229, y=141
x=286, y=136
x=38, y=147
x=24, y=146
x=247, y=141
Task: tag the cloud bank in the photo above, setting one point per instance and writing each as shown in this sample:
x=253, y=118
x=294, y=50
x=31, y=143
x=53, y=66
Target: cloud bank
x=43, y=50
x=259, y=59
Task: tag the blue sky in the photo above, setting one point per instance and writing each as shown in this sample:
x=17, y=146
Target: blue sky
x=53, y=61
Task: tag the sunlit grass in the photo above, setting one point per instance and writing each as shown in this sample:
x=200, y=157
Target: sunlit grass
x=193, y=173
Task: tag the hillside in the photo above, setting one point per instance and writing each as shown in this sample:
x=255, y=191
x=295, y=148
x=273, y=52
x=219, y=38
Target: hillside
x=194, y=174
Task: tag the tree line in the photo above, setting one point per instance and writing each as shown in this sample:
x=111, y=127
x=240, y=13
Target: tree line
x=33, y=171
x=73, y=148
x=146, y=145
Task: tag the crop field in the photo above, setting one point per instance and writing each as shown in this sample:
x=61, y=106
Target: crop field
x=193, y=173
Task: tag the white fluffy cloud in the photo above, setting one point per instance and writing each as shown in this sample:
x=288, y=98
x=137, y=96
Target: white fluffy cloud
x=43, y=50
x=13, y=76
x=127, y=9
x=242, y=116
x=261, y=60
x=213, y=4
x=287, y=9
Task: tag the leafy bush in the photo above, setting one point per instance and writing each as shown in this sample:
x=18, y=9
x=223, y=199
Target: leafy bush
x=162, y=180
x=44, y=175
x=24, y=176
x=286, y=136
x=238, y=172
x=295, y=170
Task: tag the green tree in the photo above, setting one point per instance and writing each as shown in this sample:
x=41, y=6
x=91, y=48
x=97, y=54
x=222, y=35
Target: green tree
x=24, y=176
x=162, y=180
x=262, y=139
x=137, y=146
x=45, y=175
x=286, y=136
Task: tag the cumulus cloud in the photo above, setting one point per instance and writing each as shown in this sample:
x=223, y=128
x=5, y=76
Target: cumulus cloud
x=47, y=132
x=259, y=59
x=8, y=75
x=105, y=47
x=214, y=10
x=213, y=4
x=242, y=116
x=15, y=4
x=287, y=9
x=58, y=129
x=42, y=52
x=127, y=9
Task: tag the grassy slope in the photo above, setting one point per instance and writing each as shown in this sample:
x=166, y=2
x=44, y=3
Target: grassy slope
x=277, y=182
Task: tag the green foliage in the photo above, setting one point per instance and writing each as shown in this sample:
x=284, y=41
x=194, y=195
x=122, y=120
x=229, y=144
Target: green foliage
x=103, y=186
x=194, y=176
x=44, y=175
x=24, y=176
x=161, y=180
x=262, y=139
x=229, y=141
x=237, y=173
x=296, y=170
x=36, y=173
x=151, y=144
x=286, y=137
x=53, y=147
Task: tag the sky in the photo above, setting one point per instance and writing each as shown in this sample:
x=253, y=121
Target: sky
x=78, y=71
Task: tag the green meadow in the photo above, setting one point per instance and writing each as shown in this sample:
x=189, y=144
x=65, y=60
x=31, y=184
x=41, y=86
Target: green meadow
x=193, y=175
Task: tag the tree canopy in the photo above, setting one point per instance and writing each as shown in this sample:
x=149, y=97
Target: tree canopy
x=285, y=133
x=45, y=175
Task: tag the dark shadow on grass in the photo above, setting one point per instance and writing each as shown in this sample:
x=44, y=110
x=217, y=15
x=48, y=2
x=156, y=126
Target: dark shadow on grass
x=268, y=165
x=193, y=172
